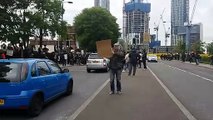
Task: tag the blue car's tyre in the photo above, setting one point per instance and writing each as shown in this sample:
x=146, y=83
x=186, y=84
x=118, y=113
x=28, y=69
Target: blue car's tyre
x=36, y=105
x=69, y=88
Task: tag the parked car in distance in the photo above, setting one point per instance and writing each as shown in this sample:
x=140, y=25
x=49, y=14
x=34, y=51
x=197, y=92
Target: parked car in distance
x=152, y=58
x=96, y=62
x=28, y=84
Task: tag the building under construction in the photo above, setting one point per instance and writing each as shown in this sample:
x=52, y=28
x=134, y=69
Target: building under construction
x=136, y=21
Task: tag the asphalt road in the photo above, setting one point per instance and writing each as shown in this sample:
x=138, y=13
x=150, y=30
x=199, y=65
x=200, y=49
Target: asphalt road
x=85, y=84
x=191, y=84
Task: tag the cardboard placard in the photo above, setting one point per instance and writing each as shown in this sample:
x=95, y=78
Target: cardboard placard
x=104, y=48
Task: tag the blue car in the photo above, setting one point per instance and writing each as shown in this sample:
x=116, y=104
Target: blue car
x=28, y=84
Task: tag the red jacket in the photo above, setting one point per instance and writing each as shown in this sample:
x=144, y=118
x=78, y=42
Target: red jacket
x=3, y=56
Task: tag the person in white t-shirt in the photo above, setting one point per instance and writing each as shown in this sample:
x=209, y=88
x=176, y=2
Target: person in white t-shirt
x=126, y=65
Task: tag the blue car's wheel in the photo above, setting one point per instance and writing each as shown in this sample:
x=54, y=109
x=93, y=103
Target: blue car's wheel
x=36, y=105
x=69, y=88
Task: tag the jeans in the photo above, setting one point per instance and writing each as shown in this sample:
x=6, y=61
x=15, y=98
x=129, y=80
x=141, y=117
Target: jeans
x=197, y=61
x=117, y=74
x=130, y=68
x=126, y=65
x=144, y=64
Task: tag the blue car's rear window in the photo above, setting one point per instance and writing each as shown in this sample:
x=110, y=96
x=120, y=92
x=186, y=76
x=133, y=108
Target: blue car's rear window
x=10, y=72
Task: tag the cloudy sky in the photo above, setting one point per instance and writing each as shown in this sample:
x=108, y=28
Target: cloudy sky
x=203, y=13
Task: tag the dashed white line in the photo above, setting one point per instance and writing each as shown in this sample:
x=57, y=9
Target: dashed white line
x=177, y=102
x=207, y=79
x=86, y=103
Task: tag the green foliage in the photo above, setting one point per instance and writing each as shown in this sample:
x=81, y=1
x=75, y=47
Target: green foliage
x=210, y=48
x=198, y=47
x=205, y=58
x=123, y=44
x=180, y=47
x=21, y=19
x=95, y=24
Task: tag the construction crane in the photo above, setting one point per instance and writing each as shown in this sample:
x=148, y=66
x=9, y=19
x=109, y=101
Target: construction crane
x=166, y=31
x=188, y=27
x=156, y=28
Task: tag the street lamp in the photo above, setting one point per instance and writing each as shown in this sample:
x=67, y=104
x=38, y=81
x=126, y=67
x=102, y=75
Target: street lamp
x=62, y=18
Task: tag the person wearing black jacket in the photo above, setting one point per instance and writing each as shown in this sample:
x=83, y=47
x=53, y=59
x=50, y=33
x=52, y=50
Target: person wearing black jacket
x=116, y=65
x=133, y=58
x=144, y=58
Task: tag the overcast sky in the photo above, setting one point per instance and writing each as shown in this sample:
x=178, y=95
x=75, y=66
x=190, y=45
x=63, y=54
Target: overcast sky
x=203, y=14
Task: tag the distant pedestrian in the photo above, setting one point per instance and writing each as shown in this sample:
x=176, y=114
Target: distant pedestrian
x=211, y=59
x=62, y=59
x=116, y=65
x=3, y=55
x=191, y=55
x=133, y=57
x=183, y=57
x=65, y=59
x=126, y=65
x=140, y=59
x=197, y=57
x=45, y=49
x=144, y=58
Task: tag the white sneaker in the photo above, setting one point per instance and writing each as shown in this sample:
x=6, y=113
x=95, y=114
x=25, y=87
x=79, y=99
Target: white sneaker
x=111, y=93
x=119, y=92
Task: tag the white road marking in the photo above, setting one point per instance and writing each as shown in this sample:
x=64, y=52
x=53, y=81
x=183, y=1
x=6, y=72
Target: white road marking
x=207, y=79
x=177, y=102
x=86, y=103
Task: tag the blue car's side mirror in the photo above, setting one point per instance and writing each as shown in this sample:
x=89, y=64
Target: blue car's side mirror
x=66, y=70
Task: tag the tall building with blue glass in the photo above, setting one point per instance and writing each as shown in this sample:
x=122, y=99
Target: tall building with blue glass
x=136, y=20
x=179, y=16
x=102, y=3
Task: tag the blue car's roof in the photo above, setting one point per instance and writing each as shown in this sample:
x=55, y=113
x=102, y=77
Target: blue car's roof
x=29, y=60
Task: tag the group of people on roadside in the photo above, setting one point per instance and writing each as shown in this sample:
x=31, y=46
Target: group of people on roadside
x=120, y=61
x=194, y=57
x=63, y=57
x=133, y=60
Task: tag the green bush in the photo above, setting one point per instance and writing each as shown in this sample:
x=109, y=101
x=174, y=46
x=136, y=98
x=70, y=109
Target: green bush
x=205, y=58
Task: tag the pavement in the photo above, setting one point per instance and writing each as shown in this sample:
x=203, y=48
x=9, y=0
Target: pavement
x=204, y=65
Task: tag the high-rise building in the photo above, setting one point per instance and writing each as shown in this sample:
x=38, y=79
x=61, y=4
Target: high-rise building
x=179, y=16
x=196, y=33
x=136, y=21
x=102, y=3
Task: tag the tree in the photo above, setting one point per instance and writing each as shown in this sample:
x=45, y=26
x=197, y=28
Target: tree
x=210, y=48
x=180, y=47
x=49, y=19
x=21, y=19
x=95, y=24
x=7, y=18
x=198, y=47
